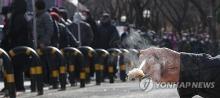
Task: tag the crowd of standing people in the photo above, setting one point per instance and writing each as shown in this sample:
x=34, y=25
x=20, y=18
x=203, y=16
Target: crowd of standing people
x=192, y=42
x=53, y=28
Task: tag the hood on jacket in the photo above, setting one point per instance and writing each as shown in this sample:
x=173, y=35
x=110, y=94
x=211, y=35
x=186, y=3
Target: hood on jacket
x=19, y=6
x=106, y=19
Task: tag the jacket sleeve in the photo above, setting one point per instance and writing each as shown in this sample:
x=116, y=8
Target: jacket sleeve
x=198, y=68
x=48, y=28
x=19, y=31
x=67, y=39
x=115, y=41
x=89, y=37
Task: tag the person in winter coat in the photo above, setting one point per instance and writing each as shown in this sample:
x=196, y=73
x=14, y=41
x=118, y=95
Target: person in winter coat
x=19, y=35
x=165, y=42
x=125, y=37
x=6, y=12
x=62, y=37
x=45, y=27
x=184, y=45
x=64, y=16
x=107, y=35
x=87, y=36
x=89, y=19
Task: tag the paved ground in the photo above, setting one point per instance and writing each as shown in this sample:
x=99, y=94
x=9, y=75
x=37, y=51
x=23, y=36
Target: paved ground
x=106, y=90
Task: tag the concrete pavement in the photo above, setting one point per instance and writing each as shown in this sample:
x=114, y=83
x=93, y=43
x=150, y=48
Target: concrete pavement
x=105, y=90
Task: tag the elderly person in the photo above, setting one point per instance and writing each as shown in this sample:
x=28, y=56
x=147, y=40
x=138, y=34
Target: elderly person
x=183, y=68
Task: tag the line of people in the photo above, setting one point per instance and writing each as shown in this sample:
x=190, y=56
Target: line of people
x=53, y=28
x=56, y=29
x=189, y=42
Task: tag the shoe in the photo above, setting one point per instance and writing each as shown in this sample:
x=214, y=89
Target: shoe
x=19, y=93
x=20, y=90
x=2, y=92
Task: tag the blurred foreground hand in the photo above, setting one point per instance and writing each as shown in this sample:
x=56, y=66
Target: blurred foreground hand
x=161, y=65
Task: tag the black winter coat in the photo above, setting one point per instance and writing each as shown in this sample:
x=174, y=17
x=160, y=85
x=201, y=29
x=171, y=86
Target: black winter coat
x=199, y=75
x=107, y=37
x=19, y=33
x=62, y=37
x=87, y=35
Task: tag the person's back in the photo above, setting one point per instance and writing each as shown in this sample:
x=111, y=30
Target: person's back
x=62, y=37
x=45, y=27
x=5, y=41
x=19, y=35
x=125, y=38
x=19, y=32
x=19, y=29
x=87, y=35
x=89, y=19
x=66, y=38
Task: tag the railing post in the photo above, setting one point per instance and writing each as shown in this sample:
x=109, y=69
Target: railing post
x=89, y=54
x=123, y=64
x=74, y=60
x=58, y=70
x=100, y=63
x=113, y=62
x=35, y=68
x=8, y=71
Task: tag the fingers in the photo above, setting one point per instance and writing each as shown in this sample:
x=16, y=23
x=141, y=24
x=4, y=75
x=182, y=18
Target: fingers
x=149, y=65
x=156, y=73
x=152, y=66
x=153, y=71
x=135, y=74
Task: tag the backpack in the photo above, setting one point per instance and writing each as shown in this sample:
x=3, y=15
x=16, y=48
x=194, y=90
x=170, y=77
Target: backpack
x=55, y=36
x=62, y=37
x=67, y=39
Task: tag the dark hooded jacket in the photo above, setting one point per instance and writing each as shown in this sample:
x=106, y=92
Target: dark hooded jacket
x=19, y=29
x=107, y=36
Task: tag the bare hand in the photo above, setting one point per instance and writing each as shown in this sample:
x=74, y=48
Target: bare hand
x=162, y=64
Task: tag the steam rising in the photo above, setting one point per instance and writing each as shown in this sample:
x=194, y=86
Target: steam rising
x=135, y=40
x=138, y=67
